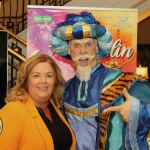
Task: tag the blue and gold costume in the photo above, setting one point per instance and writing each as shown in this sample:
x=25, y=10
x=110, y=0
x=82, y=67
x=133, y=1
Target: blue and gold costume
x=84, y=115
x=84, y=100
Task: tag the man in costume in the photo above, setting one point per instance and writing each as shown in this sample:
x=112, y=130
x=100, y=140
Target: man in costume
x=95, y=88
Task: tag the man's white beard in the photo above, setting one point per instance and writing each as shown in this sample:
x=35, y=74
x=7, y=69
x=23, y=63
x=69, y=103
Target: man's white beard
x=83, y=73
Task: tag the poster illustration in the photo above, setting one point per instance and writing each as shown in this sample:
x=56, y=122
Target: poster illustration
x=122, y=23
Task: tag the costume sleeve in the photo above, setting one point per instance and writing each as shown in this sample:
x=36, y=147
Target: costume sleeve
x=138, y=126
x=10, y=127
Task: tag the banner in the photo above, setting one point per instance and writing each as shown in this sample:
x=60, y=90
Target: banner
x=122, y=23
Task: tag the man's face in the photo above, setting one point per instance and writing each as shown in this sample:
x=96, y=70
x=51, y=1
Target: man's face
x=83, y=51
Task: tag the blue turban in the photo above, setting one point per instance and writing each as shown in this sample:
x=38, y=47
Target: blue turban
x=79, y=26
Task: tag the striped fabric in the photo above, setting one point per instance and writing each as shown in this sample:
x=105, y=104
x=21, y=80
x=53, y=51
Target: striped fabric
x=109, y=95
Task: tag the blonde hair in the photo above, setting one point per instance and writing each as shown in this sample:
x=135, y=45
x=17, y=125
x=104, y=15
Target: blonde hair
x=20, y=91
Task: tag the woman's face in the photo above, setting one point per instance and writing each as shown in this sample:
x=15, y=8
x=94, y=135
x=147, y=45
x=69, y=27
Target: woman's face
x=41, y=83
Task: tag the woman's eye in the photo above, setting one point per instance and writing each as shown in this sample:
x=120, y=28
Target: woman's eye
x=36, y=75
x=49, y=75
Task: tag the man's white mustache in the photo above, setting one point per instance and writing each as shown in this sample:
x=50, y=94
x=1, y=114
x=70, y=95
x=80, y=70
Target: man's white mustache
x=80, y=57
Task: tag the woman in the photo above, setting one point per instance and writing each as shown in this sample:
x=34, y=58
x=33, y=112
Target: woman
x=31, y=119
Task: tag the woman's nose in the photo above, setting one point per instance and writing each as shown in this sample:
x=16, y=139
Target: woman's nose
x=43, y=79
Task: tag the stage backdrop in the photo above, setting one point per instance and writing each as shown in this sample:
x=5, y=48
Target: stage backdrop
x=122, y=24
x=3, y=66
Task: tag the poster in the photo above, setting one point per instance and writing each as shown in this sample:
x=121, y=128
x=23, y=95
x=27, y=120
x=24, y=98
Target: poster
x=122, y=23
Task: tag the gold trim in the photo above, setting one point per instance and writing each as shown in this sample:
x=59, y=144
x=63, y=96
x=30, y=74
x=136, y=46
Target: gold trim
x=105, y=88
x=82, y=114
x=86, y=30
x=68, y=32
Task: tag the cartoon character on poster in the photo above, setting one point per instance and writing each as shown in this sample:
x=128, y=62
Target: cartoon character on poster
x=122, y=24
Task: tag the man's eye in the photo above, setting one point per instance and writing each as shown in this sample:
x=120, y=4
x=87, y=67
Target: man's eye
x=88, y=44
x=76, y=45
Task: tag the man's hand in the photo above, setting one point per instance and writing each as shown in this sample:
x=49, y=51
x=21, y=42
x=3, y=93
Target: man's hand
x=123, y=109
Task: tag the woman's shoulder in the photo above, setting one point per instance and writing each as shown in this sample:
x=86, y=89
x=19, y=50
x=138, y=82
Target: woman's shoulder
x=13, y=107
x=13, y=113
